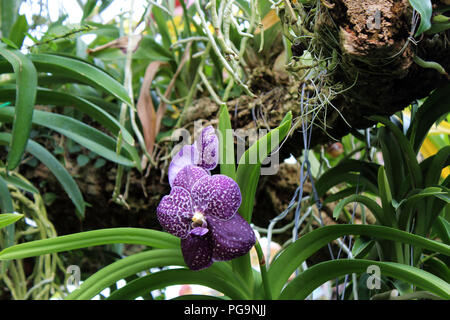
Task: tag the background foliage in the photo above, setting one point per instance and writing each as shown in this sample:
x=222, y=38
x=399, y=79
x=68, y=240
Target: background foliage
x=116, y=100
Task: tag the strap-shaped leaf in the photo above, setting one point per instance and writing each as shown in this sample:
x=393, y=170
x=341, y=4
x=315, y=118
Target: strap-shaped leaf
x=57, y=98
x=307, y=281
x=407, y=149
x=9, y=218
x=372, y=205
x=80, y=71
x=148, y=237
x=81, y=133
x=124, y=268
x=247, y=175
x=26, y=82
x=158, y=280
x=6, y=206
x=294, y=255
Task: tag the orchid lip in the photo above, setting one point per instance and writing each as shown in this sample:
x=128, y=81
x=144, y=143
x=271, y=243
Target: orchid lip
x=198, y=220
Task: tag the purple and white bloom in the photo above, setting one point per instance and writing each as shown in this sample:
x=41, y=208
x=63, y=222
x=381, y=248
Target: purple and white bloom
x=204, y=152
x=202, y=210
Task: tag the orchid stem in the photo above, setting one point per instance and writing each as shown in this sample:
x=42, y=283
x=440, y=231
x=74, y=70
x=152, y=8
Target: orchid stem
x=263, y=269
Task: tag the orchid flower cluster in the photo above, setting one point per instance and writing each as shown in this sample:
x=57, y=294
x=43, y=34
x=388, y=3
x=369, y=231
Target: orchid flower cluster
x=201, y=208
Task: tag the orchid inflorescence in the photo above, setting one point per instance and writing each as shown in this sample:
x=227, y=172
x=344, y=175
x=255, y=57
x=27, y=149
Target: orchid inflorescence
x=201, y=208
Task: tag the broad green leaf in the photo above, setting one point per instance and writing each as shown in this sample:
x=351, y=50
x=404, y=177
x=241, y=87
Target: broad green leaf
x=293, y=256
x=307, y=281
x=80, y=71
x=26, y=82
x=226, y=142
x=425, y=9
x=148, y=237
x=9, y=218
x=81, y=133
x=58, y=98
x=162, y=279
x=248, y=171
x=65, y=179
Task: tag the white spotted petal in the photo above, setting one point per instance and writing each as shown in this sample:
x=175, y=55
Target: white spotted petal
x=175, y=213
x=216, y=195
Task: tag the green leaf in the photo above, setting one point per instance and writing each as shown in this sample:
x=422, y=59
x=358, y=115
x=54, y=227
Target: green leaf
x=293, y=256
x=393, y=160
x=88, y=8
x=307, y=281
x=161, y=19
x=82, y=160
x=442, y=228
x=162, y=279
x=149, y=49
x=226, y=142
x=355, y=172
x=406, y=147
x=369, y=203
x=81, y=71
x=148, y=237
x=440, y=161
x=9, y=218
x=249, y=166
x=124, y=268
x=8, y=11
x=50, y=97
x=18, y=30
x=65, y=179
x=26, y=82
x=19, y=183
x=434, y=107
x=425, y=9
x=83, y=134
x=386, y=198
x=6, y=205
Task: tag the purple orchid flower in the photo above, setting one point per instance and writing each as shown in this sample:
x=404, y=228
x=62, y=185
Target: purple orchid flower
x=204, y=152
x=202, y=210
